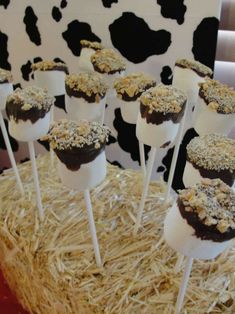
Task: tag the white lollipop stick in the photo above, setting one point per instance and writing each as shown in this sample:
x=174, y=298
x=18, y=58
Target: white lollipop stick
x=175, y=154
x=183, y=286
x=142, y=158
x=179, y=262
x=102, y=114
x=51, y=121
x=35, y=178
x=145, y=189
x=92, y=228
x=10, y=153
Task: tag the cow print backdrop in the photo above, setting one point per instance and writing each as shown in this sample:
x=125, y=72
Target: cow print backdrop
x=149, y=34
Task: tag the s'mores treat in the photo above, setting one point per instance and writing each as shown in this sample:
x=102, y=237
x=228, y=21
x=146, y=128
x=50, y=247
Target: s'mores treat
x=161, y=110
x=80, y=148
x=88, y=48
x=85, y=96
x=202, y=221
x=215, y=109
x=109, y=63
x=28, y=111
x=129, y=88
x=50, y=75
x=210, y=156
x=6, y=86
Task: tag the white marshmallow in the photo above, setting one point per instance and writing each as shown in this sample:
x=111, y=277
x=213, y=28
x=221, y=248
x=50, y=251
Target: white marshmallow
x=181, y=237
x=191, y=175
x=78, y=109
x=110, y=78
x=88, y=176
x=84, y=61
x=155, y=135
x=5, y=90
x=53, y=81
x=129, y=110
x=207, y=121
x=27, y=131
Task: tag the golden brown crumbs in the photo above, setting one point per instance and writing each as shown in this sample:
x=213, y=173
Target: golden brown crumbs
x=107, y=60
x=5, y=76
x=91, y=44
x=48, y=65
x=195, y=65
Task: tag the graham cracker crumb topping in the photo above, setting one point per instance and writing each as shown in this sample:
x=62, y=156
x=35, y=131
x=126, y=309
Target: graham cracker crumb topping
x=66, y=134
x=107, y=60
x=163, y=98
x=31, y=96
x=214, y=203
x=48, y=65
x=133, y=84
x=219, y=97
x=5, y=76
x=194, y=65
x=89, y=83
x=212, y=151
x=91, y=44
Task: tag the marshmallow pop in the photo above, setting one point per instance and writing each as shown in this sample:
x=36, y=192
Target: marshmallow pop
x=85, y=96
x=210, y=156
x=6, y=88
x=88, y=48
x=79, y=147
x=215, y=109
x=110, y=64
x=200, y=224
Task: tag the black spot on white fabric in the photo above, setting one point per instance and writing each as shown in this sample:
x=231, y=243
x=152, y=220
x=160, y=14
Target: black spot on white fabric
x=173, y=9
x=4, y=64
x=4, y=3
x=58, y=60
x=37, y=59
x=45, y=144
x=180, y=164
x=205, y=40
x=17, y=85
x=160, y=169
x=56, y=14
x=166, y=75
x=108, y=3
x=111, y=140
x=126, y=137
x=134, y=39
x=77, y=31
x=30, y=20
x=60, y=102
x=13, y=142
x=63, y=4
x=115, y=163
x=26, y=70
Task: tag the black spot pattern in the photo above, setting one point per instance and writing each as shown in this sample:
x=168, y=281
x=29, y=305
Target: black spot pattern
x=30, y=20
x=161, y=169
x=60, y=102
x=134, y=39
x=26, y=70
x=17, y=85
x=116, y=163
x=166, y=75
x=63, y=4
x=4, y=64
x=77, y=31
x=173, y=9
x=56, y=14
x=45, y=144
x=180, y=164
x=108, y=3
x=111, y=140
x=4, y=3
x=13, y=142
x=58, y=60
x=205, y=40
x=126, y=137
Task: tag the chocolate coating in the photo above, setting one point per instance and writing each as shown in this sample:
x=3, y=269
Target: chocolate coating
x=78, y=94
x=159, y=117
x=97, y=69
x=126, y=97
x=196, y=71
x=203, y=231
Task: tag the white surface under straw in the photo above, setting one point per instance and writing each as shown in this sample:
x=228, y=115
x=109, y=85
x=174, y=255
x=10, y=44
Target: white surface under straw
x=145, y=189
x=10, y=153
x=92, y=228
x=35, y=178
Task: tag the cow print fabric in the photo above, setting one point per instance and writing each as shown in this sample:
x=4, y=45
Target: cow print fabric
x=150, y=35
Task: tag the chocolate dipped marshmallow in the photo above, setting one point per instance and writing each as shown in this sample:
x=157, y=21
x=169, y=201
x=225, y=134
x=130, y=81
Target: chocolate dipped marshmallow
x=6, y=86
x=87, y=50
x=129, y=88
x=161, y=110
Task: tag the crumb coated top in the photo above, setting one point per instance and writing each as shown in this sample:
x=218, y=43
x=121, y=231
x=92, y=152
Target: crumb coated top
x=163, y=98
x=67, y=134
x=31, y=97
x=219, y=97
x=212, y=151
x=108, y=61
x=214, y=203
x=49, y=65
x=91, y=44
x=90, y=83
x=133, y=84
x=5, y=76
x=194, y=65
